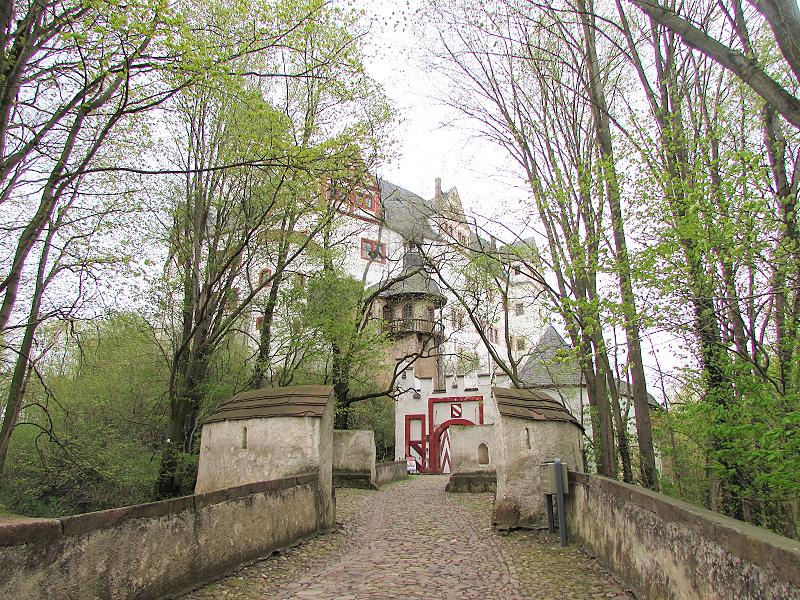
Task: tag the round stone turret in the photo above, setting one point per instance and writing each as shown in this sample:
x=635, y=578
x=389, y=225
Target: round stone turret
x=409, y=313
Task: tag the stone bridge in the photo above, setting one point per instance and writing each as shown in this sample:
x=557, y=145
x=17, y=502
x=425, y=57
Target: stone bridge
x=384, y=547
x=265, y=497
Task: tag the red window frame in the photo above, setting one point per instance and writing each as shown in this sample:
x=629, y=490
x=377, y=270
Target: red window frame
x=367, y=200
x=370, y=247
x=263, y=275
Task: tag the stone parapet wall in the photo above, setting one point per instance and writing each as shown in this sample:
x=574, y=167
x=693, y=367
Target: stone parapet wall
x=349, y=479
x=354, y=461
x=668, y=549
x=476, y=482
x=158, y=549
x=386, y=472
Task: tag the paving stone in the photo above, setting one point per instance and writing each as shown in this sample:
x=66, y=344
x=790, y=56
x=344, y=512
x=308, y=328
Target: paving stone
x=412, y=540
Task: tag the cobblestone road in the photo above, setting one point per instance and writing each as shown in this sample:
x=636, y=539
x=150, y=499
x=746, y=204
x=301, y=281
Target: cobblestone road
x=412, y=540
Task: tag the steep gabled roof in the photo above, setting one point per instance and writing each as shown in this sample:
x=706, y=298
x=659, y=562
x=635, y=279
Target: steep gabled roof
x=551, y=364
x=405, y=212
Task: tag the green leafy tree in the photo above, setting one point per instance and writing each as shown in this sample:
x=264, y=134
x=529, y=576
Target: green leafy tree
x=91, y=431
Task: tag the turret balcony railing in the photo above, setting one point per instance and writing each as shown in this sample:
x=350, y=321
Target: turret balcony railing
x=399, y=326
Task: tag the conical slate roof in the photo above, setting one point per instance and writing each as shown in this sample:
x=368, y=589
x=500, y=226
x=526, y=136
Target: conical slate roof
x=414, y=281
x=550, y=364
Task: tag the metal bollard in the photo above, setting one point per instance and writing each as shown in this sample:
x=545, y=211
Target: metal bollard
x=562, y=521
x=548, y=502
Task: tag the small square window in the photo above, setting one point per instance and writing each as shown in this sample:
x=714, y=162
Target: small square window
x=367, y=200
x=519, y=309
x=263, y=277
x=520, y=343
x=373, y=250
x=259, y=323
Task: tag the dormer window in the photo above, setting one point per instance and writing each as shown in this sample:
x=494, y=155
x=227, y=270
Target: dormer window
x=359, y=198
x=367, y=200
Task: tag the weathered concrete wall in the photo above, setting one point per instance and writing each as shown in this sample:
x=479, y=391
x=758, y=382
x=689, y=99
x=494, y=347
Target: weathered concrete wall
x=668, y=549
x=353, y=458
x=522, y=446
x=241, y=451
x=387, y=472
x=274, y=447
x=464, y=442
x=159, y=549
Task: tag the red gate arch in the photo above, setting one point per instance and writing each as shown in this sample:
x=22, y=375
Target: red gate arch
x=436, y=440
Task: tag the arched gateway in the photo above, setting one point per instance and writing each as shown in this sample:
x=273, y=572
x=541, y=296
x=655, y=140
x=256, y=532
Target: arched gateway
x=427, y=435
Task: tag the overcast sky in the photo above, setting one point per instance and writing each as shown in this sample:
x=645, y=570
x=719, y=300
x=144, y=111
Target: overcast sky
x=427, y=148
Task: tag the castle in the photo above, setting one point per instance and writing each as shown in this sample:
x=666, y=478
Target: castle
x=415, y=255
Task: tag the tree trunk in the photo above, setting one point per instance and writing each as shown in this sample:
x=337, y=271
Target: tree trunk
x=602, y=427
x=787, y=305
x=181, y=428
x=644, y=430
x=619, y=424
x=265, y=339
x=16, y=390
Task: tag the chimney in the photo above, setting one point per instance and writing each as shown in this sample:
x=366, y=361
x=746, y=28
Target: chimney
x=437, y=194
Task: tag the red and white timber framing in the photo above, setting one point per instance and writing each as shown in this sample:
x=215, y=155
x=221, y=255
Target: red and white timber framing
x=426, y=436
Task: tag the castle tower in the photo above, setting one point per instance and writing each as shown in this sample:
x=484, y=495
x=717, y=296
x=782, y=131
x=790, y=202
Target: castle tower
x=411, y=313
